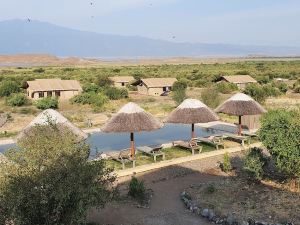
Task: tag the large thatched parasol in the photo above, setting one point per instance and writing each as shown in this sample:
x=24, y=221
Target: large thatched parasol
x=132, y=118
x=192, y=111
x=51, y=116
x=240, y=105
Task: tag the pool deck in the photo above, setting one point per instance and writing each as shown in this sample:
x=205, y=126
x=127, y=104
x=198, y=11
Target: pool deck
x=161, y=164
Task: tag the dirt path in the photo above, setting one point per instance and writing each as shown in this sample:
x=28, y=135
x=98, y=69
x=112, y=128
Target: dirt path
x=166, y=207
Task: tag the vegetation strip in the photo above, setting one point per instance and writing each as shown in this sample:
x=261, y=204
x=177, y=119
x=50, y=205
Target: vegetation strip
x=144, y=168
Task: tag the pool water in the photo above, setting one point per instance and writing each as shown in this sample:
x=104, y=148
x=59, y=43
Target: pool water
x=103, y=142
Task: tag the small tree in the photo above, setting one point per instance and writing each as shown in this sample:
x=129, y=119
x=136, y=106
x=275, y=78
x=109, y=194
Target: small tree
x=211, y=97
x=8, y=87
x=18, y=99
x=179, y=91
x=50, y=181
x=226, y=88
x=137, y=189
x=280, y=132
x=47, y=103
x=226, y=166
x=256, y=92
x=254, y=163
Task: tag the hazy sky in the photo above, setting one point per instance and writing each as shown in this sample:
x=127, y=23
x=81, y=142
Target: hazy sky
x=272, y=22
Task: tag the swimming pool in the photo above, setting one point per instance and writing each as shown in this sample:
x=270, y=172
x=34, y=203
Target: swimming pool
x=103, y=142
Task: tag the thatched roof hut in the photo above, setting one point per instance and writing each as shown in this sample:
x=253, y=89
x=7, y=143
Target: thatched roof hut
x=131, y=118
x=51, y=116
x=192, y=111
x=239, y=105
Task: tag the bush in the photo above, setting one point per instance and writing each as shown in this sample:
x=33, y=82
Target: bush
x=39, y=70
x=211, y=189
x=47, y=103
x=114, y=93
x=51, y=181
x=90, y=98
x=256, y=92
x=280, y=132
x=211, y=97
x=226, y=88
x=18, y=99
x=90, y=87
x=8, y=87
x=103, y=81
x=226, y=166
x=179, y=85
x=179, y=91
x=254, y=163
x=137, y=189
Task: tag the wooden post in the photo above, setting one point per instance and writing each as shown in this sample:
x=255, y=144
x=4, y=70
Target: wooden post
x=240, y=126
x=132, y=150
x=193, y=130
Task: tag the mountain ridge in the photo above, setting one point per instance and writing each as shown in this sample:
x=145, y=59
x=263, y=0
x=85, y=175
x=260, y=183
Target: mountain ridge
x=35, y=37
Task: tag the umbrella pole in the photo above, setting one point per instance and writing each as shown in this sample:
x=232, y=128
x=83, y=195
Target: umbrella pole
x=193, y=130
x=240, y=126
x=132, y=150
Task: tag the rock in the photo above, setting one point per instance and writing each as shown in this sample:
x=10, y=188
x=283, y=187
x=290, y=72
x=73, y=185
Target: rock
x=205, y=213
x=244, y=223
x=251, y=221
x=211, y=214
x=231, y=220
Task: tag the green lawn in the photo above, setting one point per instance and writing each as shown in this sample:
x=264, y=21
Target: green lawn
x=171, y=153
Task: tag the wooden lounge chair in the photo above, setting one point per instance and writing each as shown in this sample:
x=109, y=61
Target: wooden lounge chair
x=241, y=139
x=152, y=151
x=212, y=140
x=190, y=145
x=122, y=156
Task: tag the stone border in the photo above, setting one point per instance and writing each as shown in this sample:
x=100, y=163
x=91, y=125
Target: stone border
x=166, y=163
x=211, y=216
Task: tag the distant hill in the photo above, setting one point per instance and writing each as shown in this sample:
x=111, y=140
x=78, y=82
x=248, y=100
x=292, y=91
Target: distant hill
x=22, y=37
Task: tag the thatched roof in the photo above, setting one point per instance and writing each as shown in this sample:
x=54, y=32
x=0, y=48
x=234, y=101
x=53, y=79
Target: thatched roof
x=52, y=116
x=53, y=85
x=192, y=111
x=121, y=79
x=159, y=82
x=239, y=105
x=239, y=79
x=132, y=118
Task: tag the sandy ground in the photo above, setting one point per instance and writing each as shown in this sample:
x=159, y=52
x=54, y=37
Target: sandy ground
x=166, y=207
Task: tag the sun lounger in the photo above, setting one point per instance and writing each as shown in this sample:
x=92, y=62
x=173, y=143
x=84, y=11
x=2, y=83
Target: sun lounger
x=122, y=156
x=190, y=145
x=212, y=140
x=241, y=139
x=152, y=151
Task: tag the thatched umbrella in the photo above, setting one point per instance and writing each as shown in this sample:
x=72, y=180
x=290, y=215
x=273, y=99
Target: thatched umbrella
x=192, y=111
x=49, y=116
x=131, y=118
x=240, y=105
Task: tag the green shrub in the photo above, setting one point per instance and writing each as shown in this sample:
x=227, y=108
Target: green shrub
x=179, y=91
x=280, y=132
x=90, y=87
x=254, y=163
x=90, y=98
x=226, y=88
x=211, y=97
x=51, y=181
x=83, y=98
x=47, y=103
x=211, y=189
x=179, y=85
x=103, y=81
x=256, y=92
x=8, y=87
x=114, y=93
x=226, y=165
x=38, y=70
x=137, y=189
x=17, y=99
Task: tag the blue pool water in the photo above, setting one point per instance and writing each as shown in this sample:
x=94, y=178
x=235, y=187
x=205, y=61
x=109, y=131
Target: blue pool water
x=102, y=142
